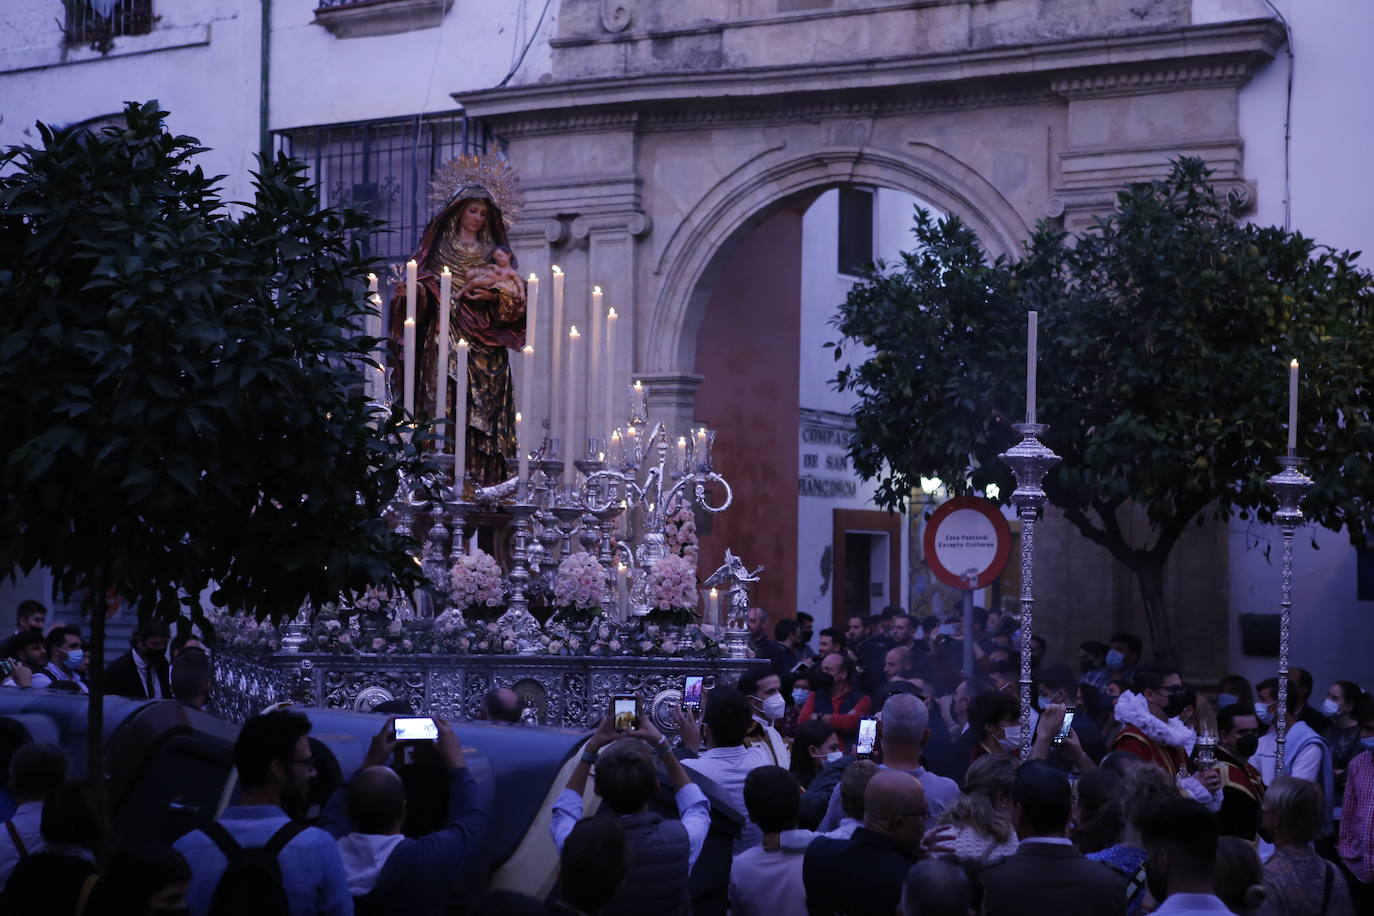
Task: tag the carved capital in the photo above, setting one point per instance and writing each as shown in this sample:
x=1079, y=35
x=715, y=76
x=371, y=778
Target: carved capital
x=552, y=231
x=634, y=223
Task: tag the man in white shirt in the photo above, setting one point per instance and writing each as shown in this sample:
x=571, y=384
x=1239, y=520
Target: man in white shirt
x=1180, y=839
x=65, y=656
x=1305, y=754
x=903, y=729
x=767, y=879
x=728, y=761
x=765, y=694
x=35, y=771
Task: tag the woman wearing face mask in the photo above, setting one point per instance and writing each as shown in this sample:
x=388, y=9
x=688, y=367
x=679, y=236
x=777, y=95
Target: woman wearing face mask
x=1343, y=735
x=815, y=746
x=981, y=816
x=994, y=725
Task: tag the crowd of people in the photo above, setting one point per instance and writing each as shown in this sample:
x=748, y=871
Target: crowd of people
x=867, y=776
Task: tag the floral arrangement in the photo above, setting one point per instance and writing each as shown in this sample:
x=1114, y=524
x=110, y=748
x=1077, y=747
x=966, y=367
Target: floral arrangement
x=672, y=591
x=578, y=588
x=243, y=634
x=477, y=585
x=680, y=530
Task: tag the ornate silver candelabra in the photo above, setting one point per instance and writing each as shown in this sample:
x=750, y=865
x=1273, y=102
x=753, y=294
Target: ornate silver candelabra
x=1290, y=486
x=1030, y=460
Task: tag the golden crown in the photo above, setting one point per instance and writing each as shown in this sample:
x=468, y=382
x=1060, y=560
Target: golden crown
x=486, y=176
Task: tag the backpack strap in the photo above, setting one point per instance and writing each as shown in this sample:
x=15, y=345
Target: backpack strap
x=16, y=839
x=1326, y=886
x=222, y=838
x=285, y=834
x=1137, y=882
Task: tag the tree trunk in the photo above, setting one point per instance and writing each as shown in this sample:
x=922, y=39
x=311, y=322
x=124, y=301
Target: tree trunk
x=1150, y=574
x=95, y=711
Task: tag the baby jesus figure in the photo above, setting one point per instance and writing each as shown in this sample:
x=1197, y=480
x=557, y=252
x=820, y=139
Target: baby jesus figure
x=498, y=271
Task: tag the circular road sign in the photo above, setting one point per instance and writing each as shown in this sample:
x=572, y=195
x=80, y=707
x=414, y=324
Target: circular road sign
x=967, y=542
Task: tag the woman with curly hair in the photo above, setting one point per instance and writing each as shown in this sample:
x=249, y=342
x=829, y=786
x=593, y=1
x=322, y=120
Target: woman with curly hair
x=981, y=816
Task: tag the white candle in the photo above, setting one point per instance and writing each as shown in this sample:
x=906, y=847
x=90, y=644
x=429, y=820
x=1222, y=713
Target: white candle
x=371, y=283
x=1032, y=319
x=631, y=444
x=408, y=342
x=374, y=322
x=617, y=449
x=622, y=590
x=608, y=409
x=637, y=400
x=556, y=370
x=594, y=372
x=682, y=454
x=520, y=448
x=699, y=449
x=1293, y=407
x=460, y=416
x=524, y=397
x=531, y=308
x=713, y=607
x=569, y=405
x=441, y=383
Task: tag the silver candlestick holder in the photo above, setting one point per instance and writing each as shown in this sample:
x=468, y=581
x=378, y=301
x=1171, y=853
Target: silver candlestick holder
x=517, y=616
x=1290, y=485
x=1030, y=460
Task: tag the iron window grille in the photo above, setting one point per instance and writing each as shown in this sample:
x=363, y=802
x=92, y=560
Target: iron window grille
x=383, y=167
x=97, y=22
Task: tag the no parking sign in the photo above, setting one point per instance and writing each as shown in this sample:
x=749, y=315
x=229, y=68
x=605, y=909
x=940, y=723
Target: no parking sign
x=967, y=542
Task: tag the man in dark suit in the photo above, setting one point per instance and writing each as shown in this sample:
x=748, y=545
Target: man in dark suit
x=863, y=875
x=1047, y=875
x=142, y=671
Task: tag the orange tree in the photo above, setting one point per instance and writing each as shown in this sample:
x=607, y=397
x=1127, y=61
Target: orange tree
x=1165, y=334
x=179, y=385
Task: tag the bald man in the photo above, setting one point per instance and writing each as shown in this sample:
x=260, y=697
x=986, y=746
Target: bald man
x=385, y=868
x=895, y=662
x=863, y=875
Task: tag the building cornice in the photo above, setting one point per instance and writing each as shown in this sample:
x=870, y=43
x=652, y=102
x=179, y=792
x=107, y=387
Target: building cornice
x=1137, y=61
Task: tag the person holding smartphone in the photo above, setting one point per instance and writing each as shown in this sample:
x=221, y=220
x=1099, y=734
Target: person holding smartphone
x=382, y=865
x=662, y=852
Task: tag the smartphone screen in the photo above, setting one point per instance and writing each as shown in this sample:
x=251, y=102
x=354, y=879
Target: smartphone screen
x=625, y=712
x=947, y=629
x=416, y=728
x=868, y=736
x=691, y=691
x=1064, y=729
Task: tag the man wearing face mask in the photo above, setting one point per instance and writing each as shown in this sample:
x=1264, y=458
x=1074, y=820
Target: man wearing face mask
x=764, y=691
x=1152, y=731
x=1242, y=789
x=142, y=672
x=1123, y=652
x=1305, y=754
x=65, y=656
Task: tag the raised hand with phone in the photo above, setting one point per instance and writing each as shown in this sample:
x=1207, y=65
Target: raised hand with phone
x=662, y=852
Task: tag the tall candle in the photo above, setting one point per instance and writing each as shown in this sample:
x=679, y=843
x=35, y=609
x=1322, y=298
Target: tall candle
x=569, y=405
x=523, y=450
x=374, y=321
x=713, y=607
x=1032, y=322
x=408, y=338
x=617, y=451
x=524, y=398
x=637, y=400
x=1293, y=407
x=622, y=590
x=460, y=416
x=441, y=384
x=594, y=371
x=608, y=409
x=682, y=454
x=631, y=444
x=531, y=308
x=556, y=370
x=699, y=448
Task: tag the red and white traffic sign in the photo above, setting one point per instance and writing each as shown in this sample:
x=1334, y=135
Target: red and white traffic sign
x=967, y=542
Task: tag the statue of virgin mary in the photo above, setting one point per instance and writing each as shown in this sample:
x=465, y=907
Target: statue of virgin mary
x=463, y=236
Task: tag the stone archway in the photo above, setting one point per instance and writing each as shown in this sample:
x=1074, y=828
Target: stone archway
x=734, y=206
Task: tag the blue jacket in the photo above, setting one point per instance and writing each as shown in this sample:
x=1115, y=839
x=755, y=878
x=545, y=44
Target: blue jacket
x=413, y=875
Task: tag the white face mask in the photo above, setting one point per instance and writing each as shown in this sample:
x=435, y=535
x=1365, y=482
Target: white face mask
x=830, y=757
x=1330, y=707
x=1011, y=738
x=774, y=707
